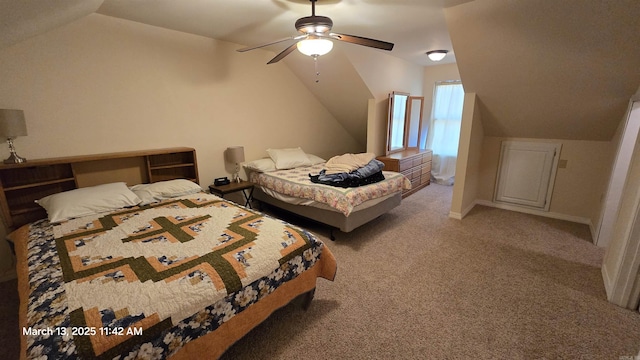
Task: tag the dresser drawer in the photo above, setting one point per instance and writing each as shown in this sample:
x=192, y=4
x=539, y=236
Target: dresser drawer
x=417, y=161
x=426, y=157
x=405, y=164
x=426, y=167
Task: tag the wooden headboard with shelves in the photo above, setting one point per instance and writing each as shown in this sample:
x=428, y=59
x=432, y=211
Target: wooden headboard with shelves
x=22, y=184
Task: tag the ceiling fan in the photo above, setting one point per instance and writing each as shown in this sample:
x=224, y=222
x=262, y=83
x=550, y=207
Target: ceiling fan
x=315, y=38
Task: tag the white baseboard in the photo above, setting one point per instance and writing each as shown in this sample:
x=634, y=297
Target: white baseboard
x=460, y=216
x=576, y=219
x=608, y=283
x=549, y=214
x=594, y=232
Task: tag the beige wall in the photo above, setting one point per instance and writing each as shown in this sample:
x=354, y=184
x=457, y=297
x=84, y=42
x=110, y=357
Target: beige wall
x=622, y=258
x=468, y=165
x=622, y=247
x=578, y=188
x=338, y=86
x=596, y=215
x=383, y=74
x=103, y=84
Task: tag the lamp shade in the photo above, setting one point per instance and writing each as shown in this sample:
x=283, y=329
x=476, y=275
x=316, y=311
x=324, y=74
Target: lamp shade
x=235, y=154
x=12, y=123
x=437, y=55
x=314, y=47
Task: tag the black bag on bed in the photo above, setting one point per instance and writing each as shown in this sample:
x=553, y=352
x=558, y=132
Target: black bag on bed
x=349, y=181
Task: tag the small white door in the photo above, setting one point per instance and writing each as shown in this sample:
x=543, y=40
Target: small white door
x=526, y=173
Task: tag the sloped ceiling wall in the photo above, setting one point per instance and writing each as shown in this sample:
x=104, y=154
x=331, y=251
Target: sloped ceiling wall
x=349, y=76
x=337, y=85
x=20, y=20
x=548, y=69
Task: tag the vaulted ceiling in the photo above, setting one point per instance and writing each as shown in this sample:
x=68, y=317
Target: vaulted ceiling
x=541, y=69
x=415, y=26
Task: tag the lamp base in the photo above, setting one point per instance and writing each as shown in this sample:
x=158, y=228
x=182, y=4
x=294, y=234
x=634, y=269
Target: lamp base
x=14, y=159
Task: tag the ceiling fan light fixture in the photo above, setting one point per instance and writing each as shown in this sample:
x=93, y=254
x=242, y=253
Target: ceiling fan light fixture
x=437, y=55
x=314, y=24
x=318, y=41
x=315, y=47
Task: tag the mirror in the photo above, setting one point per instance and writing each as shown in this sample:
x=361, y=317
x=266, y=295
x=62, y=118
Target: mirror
x=414, y=117
x=404, y=129
x=396, y=139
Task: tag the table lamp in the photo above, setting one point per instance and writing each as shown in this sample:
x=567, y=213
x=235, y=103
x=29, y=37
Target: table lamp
x=235, y=155
x=12, y=125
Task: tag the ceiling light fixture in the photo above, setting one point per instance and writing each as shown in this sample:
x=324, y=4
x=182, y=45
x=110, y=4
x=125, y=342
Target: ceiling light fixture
x=314, y=46
x=437, y=55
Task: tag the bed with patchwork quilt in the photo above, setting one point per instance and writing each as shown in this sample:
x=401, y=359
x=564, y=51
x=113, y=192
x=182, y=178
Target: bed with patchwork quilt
x=185, y=277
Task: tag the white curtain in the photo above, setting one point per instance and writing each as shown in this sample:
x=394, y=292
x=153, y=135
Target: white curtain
x=444, y=133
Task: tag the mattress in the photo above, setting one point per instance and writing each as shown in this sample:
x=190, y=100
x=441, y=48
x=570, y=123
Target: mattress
x=295, y=187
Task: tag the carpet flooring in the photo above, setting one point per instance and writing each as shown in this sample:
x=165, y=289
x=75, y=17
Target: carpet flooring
x=416, y=284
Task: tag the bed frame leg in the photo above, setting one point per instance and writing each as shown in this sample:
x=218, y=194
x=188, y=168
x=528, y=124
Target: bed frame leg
x=308, y=297
x=331, y=235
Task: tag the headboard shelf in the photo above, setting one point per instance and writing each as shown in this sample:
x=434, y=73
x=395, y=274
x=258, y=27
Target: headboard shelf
x=22, y=184
x=40, y=183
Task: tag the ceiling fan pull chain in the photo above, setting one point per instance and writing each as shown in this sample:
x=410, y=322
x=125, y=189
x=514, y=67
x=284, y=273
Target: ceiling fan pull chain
x=315, y=63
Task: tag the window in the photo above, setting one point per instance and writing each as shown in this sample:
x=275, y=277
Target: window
x=444, y=129
x=446, y=116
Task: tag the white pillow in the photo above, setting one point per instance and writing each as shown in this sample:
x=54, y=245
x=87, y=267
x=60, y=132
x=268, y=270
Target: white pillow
x=289, y=158
x=261, y=165
x=315, y=159
x=150, y=193
x=88, y=201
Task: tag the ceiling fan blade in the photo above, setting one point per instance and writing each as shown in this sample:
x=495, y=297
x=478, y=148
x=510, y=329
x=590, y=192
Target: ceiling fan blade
x=378, y=44
x=271, y=43
x=284, y=53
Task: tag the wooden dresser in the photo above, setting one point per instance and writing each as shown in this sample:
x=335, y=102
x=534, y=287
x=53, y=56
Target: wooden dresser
x=415, y=164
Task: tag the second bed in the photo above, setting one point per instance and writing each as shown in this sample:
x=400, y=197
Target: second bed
x=341, y=208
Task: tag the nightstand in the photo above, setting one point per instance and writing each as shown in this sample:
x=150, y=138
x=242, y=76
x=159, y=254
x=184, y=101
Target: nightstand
x=243, y=186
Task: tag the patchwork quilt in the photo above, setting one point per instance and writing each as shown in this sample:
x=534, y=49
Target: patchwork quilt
x=296, y=182
x=142, y=282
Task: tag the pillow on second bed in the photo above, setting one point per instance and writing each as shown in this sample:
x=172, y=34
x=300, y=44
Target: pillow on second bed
x=315, y=159
x=87, y=201
x=150, y=193
x=289, y=158
x=261, y=165
x=268, y=165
